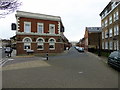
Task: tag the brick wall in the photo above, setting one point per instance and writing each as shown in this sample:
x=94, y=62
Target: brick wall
x=34, y=24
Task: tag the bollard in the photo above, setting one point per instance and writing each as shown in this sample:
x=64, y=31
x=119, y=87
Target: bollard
x=47, y=56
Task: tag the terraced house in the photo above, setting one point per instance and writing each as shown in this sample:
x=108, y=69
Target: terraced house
x=38, y=32
x=110, y=23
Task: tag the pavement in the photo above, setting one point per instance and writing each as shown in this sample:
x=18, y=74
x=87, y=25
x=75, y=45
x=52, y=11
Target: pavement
x=102, y=58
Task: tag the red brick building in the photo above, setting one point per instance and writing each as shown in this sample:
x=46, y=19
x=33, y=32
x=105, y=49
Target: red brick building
x=38, y=32
x=91, y=37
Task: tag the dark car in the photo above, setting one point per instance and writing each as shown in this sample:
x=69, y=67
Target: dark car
x=114, y=59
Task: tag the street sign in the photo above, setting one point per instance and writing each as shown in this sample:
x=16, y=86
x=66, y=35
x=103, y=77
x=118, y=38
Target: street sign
x=13, y=26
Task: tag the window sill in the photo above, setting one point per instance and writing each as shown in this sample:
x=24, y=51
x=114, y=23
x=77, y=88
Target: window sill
x=51, y=48
x=40, y=49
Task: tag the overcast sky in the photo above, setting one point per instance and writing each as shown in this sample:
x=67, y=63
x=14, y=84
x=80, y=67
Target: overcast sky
x=75, y=15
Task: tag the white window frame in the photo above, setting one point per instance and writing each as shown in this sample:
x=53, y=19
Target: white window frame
x=111, y=45
x=110, y=20
x=103, y=24
x=52, y=43
x=103, y=47
x=110, y=32
x=115, y=45
x=27, y=31
x=116, y=16
x=40, y=24
x=113, y=5
x=116, y=30
x=103, y=37
x=106, y=45
x=40, y=43
x=106, y=32
x=106, y=23
x=51, y=31
x=27, y=43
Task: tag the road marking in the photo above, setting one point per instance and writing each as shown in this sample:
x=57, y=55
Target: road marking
x=10, y=59
x=5, y=61
x=80, y=72
x=43, y=58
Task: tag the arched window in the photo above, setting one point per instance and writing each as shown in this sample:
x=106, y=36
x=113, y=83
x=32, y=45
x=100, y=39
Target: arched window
x=40, y=44
x=27, y=43
x=52, y=43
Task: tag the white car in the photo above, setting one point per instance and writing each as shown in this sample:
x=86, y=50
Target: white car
x=80, y=49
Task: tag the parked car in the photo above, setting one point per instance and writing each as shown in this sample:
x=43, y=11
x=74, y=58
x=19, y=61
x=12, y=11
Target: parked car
x=80, y=49
x=76, y=47
x=114, y=59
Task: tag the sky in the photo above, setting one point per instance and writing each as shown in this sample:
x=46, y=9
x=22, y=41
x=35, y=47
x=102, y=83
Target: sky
x=75, y=15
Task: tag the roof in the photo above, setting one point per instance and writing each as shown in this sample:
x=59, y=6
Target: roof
x=108, y=6
x=37, y=16
x=94, y=29
x=105, y=8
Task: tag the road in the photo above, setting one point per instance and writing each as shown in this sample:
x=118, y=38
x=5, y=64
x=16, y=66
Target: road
x=68, y=70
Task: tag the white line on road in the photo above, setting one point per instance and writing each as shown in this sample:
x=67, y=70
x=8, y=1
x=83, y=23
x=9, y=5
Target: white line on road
x=5, y=61
x=80, y=72
x=10, y=59
x=43, y=58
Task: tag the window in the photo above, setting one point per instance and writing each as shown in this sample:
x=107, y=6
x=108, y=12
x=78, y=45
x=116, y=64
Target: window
x=40, y=28
x=113, y=5
x=116, y=17
x=103, y=15
x=110, y=20
x=106, y=34
x=116, y=30
x=106, y=45
x=110, y=45
x=102, y=45
x=103, y=25
x=115, y=45
x=52, y=28
x=52, y=44
x=27, y=27
x=110, y=32
x=105, y=12
x=40, y=44
x=27, y=43
x=106, y=23
x=102, y=35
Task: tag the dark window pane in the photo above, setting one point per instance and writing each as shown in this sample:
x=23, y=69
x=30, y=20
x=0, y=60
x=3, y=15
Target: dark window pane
x=40, y=47
x=26, y=47
x=51, y=46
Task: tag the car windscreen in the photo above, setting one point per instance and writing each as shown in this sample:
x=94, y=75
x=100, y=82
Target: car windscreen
x=114, y=54
x=119, y=54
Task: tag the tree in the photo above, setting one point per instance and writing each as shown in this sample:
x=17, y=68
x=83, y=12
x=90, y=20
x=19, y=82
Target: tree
x=8, y=6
